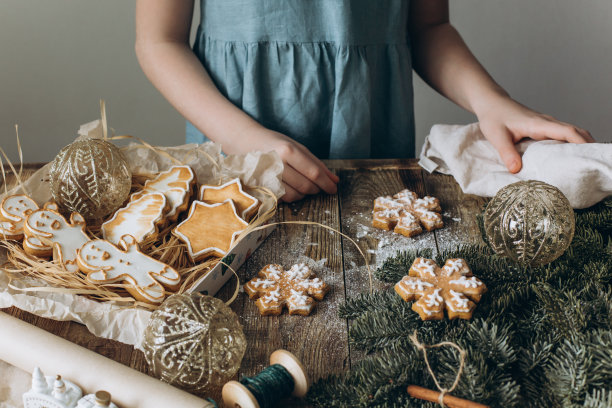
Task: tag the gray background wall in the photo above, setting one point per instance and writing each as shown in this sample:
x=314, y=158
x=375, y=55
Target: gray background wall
x=59, y=57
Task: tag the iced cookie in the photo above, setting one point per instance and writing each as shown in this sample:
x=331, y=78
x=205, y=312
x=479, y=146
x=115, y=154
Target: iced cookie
x=13, y=212
x=408, y=224
x=210, y=229
x=428, y=203
x=246, y=205
x=146, y=278
x=176, y=184
x=48, y=232
x=429, y=219
x=435, y=289
x=406, y=214
x=295, y=289
x=140, y=218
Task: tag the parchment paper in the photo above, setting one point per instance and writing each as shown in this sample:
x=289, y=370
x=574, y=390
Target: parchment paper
x=127, y=324
x=25, y=346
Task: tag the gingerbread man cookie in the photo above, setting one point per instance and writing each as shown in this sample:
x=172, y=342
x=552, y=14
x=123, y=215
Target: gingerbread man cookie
x=176, y=184
x=246, y=205
x=406, y=214
x=276, y=288
x=210, y=229
x=146, y=278
x=13, y=211
x=47, y=232
x=140, y=218
x=451, y=287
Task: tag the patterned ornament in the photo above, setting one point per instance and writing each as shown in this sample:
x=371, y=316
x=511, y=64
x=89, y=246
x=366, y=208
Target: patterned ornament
x=530, y=222
x=194, y=341
x=91, y=177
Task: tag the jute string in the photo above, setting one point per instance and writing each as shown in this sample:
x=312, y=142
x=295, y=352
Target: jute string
x=424, y=347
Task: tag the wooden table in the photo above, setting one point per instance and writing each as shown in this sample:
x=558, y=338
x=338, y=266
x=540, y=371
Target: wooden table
x=319, y=340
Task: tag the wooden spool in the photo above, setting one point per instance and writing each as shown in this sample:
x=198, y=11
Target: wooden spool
x=236, y=395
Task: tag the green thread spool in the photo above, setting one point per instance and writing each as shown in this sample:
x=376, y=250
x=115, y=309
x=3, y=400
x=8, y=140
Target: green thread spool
x=284, y=376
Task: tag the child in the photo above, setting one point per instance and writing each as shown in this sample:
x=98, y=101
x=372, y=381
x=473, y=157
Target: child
x=323, y=78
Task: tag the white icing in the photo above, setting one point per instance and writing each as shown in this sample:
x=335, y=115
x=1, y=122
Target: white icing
x=314, y=283
x=297, y=298
x=133, y=221
x=467, y=282
x=298, y=271
x=426, y=266
x=273, y=296
x=388, y=213
x=434, y=298
x=273, y=271
x=263, y=283
x=453, y=266
x=172, y=184
x=67, y=238
x=387, y=203
x=406, y=194
x=15, y=209
x=416, y=284
x=425, y=201
x=408, y=218
x=109, y=264
x=425, y=213
x=458, y=302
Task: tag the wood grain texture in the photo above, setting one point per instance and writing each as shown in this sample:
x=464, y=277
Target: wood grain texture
x=459, y=211
x=358, y=189
x=320, y=341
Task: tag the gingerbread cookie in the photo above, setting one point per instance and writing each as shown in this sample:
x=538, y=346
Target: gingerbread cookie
x=176, y=184
x=406, y=214
x=13, y=212
x=210, y=229
x=140, y=218
x=146, y=278
x=451, y=287
x=48, y=232
x=275, y=288
x=246, y=205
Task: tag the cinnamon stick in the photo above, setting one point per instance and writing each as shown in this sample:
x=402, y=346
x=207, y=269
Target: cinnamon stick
x=452, y=402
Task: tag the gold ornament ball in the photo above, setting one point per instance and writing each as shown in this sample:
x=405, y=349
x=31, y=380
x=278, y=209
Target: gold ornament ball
x=91, y=177
x=530, y=222
x=194, y=342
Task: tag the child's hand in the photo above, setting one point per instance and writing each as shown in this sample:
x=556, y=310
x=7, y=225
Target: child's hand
x=304, y=173
x=506, y=122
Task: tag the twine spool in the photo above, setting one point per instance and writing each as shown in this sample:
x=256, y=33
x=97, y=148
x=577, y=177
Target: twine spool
x=285, y=376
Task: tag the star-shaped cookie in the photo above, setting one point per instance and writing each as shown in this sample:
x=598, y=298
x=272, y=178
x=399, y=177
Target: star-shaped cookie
x=246, y=204
x=210, y=229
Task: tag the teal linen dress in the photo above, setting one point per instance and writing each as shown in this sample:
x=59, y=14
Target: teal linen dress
x=334, y=75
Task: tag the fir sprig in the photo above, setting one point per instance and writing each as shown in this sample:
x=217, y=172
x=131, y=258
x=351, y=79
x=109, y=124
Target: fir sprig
x=540, y=337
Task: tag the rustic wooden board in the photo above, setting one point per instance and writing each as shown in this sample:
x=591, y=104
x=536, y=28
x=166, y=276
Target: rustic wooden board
x=319, y=340
x=359, y=186
x=459, y=211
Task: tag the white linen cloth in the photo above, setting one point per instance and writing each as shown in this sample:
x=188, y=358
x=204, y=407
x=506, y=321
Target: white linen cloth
x=583, y=172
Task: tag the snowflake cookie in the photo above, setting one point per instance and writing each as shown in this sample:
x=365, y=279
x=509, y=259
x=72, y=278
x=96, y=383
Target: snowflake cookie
x=451, y=287
x=406, y=214
x=275, y=288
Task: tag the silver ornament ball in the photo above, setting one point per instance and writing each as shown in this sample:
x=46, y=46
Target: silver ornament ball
x=194, y=342
x=530, y=222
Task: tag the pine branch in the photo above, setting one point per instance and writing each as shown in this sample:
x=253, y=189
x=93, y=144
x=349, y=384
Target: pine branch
x=540, y=337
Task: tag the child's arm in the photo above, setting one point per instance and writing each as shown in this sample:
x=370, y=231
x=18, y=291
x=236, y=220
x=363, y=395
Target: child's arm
x=443, y=60
x=162, y=48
